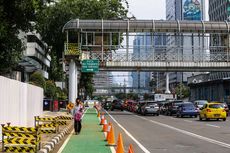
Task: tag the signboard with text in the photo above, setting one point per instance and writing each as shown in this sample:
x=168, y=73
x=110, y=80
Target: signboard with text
x=91, y=65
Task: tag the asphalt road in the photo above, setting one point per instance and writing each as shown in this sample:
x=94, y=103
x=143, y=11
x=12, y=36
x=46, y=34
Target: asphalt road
x=166, y=134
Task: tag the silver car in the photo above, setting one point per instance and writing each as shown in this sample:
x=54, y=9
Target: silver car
x=150, y=108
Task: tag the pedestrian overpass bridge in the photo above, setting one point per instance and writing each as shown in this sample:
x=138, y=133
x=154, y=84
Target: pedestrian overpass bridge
x=186, y=46
x=146, y=45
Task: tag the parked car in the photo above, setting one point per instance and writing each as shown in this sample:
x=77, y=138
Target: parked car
x=187, y=109
x=171, y=107
x=139, y=105
x=117, y=104
x=212, y=111
x=150, y=108
x=200, y=103
x=107, y=105
x=130, y=105
x=133, y=107
x=225, y=106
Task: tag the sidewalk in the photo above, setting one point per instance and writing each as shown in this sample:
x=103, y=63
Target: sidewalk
x=91, y=139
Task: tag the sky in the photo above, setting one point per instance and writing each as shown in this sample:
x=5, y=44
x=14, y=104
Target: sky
x=147, y=9
x=142, y=9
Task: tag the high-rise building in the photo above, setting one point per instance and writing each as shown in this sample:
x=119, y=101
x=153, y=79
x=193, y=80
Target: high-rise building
x=219, y=11
x=35, y=57
x=142, y=48
x=102, y=80
x=184, y=10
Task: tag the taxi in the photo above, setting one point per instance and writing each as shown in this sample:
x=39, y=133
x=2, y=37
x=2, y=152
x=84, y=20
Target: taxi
x=212, y=111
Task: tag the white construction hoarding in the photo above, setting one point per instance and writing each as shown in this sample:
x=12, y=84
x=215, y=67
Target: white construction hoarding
x=19, y=102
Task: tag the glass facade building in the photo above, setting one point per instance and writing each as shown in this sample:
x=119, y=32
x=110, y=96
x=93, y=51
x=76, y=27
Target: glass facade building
x=184, y=10
x=219, y=10
x=143, y=46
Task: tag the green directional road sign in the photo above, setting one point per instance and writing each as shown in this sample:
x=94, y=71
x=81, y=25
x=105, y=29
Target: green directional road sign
x=90, y=65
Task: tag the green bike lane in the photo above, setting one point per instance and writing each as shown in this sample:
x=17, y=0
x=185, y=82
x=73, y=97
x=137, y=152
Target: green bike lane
x=91, y=139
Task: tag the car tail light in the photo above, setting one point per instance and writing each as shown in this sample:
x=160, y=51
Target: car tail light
x=209, y=110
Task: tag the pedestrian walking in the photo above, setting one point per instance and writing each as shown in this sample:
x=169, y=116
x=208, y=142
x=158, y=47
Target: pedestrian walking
x=78, y=111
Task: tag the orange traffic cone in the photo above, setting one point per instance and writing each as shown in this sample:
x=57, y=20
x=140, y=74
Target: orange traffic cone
x=102, y=121
x=105, y=126
x=102, y=116
x=130, y=149
x=111, y=138
x=120, y=147
x=108, y=131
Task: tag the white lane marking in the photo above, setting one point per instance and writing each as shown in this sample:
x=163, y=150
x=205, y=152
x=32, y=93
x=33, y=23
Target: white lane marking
x=65, y=143
x=187, y=121
x=137, y=142
x=67, y=140
x=213, y=125
x=190, y=133
x=112, y=149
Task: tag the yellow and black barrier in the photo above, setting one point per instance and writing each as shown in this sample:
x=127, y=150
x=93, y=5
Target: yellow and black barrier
x=47, y=124
x=20, y=139
x=62, y=120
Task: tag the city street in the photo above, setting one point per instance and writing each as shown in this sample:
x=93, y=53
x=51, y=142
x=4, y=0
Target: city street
x=160, y=134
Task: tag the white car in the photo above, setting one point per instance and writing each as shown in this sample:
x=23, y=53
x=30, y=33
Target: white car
x=200, y=103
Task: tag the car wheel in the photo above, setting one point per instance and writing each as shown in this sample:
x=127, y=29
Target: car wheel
x=158, y=114
x=224, y=119
x=200, y=118
x=207, y=119
x=181, y=116
x=121, y=109
x=177, y=115
x=195, y=116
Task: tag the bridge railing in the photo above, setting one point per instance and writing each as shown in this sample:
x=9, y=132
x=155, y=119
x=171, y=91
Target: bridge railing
x=206, y=56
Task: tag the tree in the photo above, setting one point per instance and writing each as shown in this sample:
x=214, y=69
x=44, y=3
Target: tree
x=86, y=84
x=51, y=90
x=120, y=95
x=37, y=79
x=132, y=96
x=52, y=18
x=61, y=95
x=182, y=91
x=15, y=16
x=146, y=96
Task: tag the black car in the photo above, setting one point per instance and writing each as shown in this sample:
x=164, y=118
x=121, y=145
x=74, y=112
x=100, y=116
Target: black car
x=117, y=104
x=139, y=105
x=107, y=105
x=171, y=107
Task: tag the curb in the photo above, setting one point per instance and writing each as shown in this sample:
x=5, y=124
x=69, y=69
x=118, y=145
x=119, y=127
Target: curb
x=55, y=140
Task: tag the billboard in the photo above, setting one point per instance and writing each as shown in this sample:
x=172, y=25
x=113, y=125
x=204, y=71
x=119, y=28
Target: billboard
x=192, y=9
